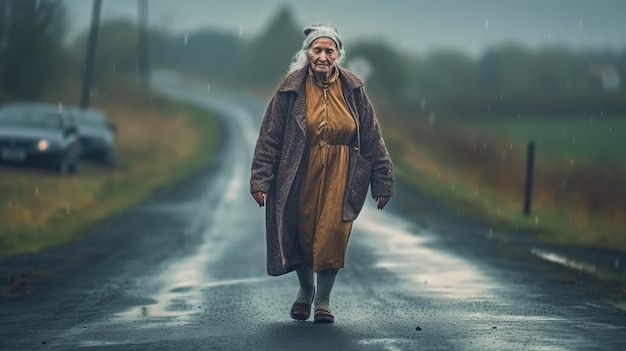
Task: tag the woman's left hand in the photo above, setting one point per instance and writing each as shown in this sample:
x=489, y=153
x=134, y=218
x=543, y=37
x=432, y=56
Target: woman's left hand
x=382, y=201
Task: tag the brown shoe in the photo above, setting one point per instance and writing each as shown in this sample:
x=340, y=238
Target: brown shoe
x=301, y=311
x=323, y=315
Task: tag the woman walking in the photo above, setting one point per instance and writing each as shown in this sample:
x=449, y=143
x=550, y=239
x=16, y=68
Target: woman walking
x=319, y=149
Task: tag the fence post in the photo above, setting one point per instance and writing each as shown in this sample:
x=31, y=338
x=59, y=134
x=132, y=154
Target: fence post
x=530, y=165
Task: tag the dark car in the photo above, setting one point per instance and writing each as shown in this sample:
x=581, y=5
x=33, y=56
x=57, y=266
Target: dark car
x=39, y=134
x=97, y=135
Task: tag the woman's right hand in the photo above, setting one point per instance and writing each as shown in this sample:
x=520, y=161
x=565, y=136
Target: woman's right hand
x=259, y=197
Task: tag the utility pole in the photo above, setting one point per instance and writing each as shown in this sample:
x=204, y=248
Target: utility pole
x=91, y=54
x=143, y=45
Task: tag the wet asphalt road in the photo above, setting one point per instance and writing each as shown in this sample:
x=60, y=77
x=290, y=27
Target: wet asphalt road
x=186, y=270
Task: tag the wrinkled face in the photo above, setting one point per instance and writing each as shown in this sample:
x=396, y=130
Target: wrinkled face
x=322, y=55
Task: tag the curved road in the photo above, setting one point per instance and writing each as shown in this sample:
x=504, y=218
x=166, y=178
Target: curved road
x=186, y=270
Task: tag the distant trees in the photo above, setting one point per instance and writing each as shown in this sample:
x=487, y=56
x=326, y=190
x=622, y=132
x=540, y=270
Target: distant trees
x=266, y=57
x=31, y=45
x=208, y=53
x=507, y=79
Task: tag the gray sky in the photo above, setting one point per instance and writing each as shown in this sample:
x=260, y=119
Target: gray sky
x=412, y=25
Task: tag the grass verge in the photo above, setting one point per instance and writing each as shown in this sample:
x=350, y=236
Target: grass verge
x=484, y=178
x=158, y=141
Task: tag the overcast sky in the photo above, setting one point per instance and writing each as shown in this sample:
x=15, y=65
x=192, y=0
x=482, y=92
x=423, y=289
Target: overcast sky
x=413, y=25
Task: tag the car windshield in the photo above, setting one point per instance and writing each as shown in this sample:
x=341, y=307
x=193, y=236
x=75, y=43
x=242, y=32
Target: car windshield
x=94, y=120
x=31, y=118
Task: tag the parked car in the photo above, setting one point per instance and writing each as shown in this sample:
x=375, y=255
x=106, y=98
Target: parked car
x=39, y=134
x=97, y=135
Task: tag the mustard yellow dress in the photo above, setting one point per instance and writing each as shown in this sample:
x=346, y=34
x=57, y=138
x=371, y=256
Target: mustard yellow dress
x=323, y=235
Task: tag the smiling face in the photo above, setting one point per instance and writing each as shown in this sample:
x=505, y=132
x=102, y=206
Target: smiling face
x=322, y=55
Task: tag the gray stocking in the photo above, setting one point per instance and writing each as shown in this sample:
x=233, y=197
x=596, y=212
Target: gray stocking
x=325, y=282
x=307, y=286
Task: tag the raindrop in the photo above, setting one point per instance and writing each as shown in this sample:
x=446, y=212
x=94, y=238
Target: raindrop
x=484, y=145
x=37, y=5
x=486, y=24
x=610, y=129
x=240, y=31
x=60, y=106
x=452, y=187
x=573, y=140
x=511, y=146
x=571, y=162
x=617, y=263
x=439, y=175
x=580, y=25
x=488, y=107
x=536, y=220
x=601, y=113
x=67, y=209
x=37, y=190
x=208, y=88
x=186, y=39
x=549, y=35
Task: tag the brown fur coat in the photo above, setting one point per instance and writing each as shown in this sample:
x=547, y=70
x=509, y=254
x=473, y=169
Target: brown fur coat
x=280, y=150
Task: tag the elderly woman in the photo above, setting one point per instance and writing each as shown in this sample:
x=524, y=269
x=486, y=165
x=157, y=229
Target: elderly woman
x=318, y=150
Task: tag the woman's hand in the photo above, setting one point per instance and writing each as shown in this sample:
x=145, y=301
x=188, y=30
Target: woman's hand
x=259, y=197
x=382, y=201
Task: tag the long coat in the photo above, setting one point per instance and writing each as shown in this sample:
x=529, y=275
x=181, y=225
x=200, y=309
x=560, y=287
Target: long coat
x=280, y=151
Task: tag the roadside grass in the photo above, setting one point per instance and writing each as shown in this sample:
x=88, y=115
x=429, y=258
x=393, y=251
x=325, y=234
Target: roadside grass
x=158, y=141
x=483, y=176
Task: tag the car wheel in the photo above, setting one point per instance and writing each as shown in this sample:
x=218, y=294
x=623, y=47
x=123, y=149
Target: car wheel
x=73, y=167
x=68, y=165
x=64, y=166
x=107, y=159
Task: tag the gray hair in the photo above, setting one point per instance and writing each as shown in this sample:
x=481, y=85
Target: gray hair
x=300, y=59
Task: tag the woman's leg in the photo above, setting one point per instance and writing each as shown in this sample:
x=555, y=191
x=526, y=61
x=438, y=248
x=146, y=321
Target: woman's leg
x=307, y=286
x=301, y=309
x=325, y=282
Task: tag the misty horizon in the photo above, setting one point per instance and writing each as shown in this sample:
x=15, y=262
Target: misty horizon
x=412, y=26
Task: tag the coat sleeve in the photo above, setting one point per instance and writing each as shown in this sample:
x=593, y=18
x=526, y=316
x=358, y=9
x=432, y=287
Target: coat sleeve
x=373, y=147
x=268, y=146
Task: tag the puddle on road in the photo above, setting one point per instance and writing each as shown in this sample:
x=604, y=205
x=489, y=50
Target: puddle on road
x=563, y=261
x=180, y=303
x=385, y=343
x=403, y=249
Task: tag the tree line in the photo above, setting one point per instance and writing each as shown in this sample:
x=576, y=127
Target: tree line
x=31, y=46
x=508, y=79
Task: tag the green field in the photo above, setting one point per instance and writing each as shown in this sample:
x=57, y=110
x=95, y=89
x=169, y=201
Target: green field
x=599, y=140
